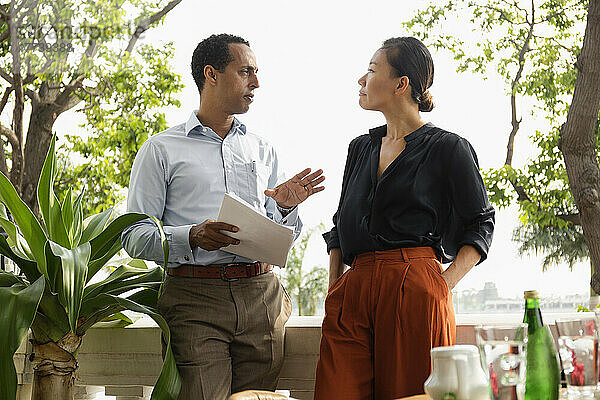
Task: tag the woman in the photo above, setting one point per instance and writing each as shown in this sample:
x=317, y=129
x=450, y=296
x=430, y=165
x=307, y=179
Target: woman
x=412, y=196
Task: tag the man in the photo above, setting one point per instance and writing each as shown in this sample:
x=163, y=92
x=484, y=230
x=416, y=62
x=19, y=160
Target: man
x=226, y=313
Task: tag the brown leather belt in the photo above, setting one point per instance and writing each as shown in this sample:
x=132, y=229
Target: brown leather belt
x=226, y=272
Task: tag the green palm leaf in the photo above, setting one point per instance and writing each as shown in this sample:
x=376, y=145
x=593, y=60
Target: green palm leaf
x=95, y=224
x=104, y=243
x=29, y=268
x=19, y=304
x=122, y=277
x=28, y=224
x=73, y=275
x=68, y=215
x=49, y=205
x=168, y=385
x=77, y=219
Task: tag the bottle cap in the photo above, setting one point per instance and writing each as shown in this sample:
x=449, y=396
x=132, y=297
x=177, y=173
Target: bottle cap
x=531, y=294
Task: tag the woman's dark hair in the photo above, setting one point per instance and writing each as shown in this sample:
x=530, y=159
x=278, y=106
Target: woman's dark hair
x=409, y=57
x=214, y=50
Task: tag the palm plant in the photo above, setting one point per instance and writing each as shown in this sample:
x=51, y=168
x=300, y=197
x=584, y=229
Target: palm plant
x=308, y=289
x=55, y=298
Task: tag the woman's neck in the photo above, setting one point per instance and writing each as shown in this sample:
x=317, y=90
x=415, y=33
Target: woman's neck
x=401, y=124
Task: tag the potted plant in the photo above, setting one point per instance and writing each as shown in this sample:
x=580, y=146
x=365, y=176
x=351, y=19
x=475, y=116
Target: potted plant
x=58, y=257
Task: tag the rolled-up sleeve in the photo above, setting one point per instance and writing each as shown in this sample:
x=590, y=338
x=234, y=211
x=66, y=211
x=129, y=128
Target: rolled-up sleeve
x=469, y=199
x=332, y=238
x=147, y=194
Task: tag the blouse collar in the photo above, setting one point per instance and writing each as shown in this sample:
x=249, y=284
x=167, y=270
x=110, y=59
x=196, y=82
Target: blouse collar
x=380, y=131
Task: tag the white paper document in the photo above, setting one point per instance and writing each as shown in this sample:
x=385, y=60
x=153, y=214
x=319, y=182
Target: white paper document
x=260, y=237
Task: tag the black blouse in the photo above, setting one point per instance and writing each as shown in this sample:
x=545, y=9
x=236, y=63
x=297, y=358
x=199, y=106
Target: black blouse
x=431, y=195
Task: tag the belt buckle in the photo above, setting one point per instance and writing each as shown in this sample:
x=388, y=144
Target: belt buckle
x=224, y=274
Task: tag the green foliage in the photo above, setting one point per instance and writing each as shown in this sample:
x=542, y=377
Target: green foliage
x=119, y=120
x=60, y=257
x=581, y=308
x=558, y=244
x=76, y=52
x=15, y=295
x=533, y=48
x=307, y=289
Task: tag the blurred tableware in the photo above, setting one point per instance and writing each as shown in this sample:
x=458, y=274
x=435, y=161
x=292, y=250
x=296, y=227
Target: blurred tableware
x=456, y=374
x=503, y=351
x=578, y=349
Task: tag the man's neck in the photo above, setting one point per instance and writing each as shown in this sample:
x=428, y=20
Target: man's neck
x=217, y=120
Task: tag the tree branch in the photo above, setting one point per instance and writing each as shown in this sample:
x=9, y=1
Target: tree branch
x=67, y=99
x=521, y=194
x=5, y=97
x=559, y=44
x=503, y=15
x=31, y=77
x=3, y=164
x=513, y=98
x=575, y=219
x=10, y=135
x=146, y=23
x=35, y=98
x=6, y=76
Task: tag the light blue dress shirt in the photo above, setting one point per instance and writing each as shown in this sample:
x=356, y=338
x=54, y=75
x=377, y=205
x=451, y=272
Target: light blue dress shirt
x=180, y=176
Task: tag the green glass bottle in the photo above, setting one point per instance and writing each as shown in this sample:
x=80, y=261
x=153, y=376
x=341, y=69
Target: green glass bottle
x=543, y=372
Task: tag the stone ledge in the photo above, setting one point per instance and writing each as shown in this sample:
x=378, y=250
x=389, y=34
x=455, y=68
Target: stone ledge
x=130, y=358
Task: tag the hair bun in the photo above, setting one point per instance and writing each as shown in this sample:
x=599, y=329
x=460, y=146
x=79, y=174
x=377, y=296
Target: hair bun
x=426, y=102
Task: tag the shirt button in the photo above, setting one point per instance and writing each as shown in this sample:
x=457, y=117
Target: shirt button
x=186, y=258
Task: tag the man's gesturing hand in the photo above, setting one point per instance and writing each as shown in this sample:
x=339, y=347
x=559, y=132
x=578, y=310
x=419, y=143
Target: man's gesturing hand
x=297, y=189
x=208, y=235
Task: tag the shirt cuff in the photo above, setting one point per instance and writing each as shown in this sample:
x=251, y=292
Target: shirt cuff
x=290, y=219
x=179, y=243
x=476, y=240
x=332, y=239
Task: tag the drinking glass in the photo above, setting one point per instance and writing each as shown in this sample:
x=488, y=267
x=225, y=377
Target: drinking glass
x=503, y=350
x=578, y=349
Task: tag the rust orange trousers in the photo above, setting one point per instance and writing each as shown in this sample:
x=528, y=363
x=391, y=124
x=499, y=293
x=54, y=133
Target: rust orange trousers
x=382, y=317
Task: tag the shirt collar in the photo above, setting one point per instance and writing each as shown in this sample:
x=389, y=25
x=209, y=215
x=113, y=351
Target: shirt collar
x=380, y=131
x=194, y=124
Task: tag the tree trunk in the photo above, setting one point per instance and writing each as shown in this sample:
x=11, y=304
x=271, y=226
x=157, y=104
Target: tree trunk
x=54, y=368
x=577, y=141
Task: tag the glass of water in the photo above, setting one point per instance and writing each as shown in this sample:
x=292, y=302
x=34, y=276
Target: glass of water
x=578, y=349
x=503, y=351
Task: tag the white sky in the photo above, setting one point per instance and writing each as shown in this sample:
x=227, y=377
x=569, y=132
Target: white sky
x=310, y=55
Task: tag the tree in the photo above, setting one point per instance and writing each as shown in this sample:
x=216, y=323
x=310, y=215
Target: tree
x=536, y=47
x=578, y=139
x=58, y=54
x=307, y=289
x=55, y=297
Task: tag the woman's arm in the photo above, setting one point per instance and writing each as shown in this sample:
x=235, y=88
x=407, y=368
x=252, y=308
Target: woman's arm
x=466, y=258
x=336, y=265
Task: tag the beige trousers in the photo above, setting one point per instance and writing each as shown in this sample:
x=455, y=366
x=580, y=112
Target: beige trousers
x=226, y=336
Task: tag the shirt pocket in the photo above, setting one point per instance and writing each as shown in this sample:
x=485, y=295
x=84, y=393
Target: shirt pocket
x=253, y=180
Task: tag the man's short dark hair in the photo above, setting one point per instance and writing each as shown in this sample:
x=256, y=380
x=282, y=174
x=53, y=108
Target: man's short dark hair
x=214, y=51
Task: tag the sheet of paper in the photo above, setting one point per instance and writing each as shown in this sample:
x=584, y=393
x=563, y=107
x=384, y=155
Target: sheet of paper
x=260, y=237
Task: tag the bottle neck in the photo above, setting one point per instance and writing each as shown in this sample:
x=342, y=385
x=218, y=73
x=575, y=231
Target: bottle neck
x=533, y=315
